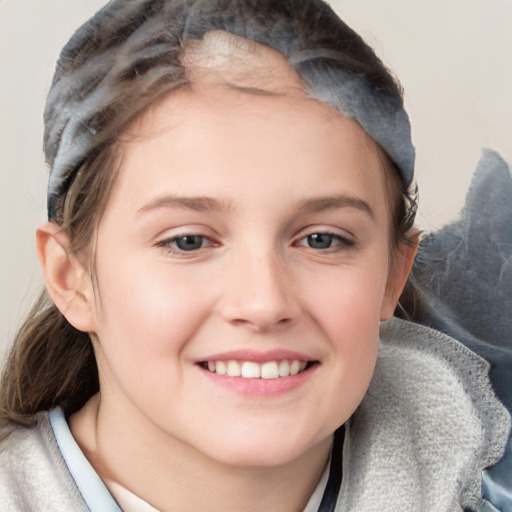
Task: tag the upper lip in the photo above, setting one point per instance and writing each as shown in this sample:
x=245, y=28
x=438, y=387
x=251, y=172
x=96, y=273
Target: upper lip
x=257, y=356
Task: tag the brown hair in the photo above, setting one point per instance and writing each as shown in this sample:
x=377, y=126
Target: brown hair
x=51, y=363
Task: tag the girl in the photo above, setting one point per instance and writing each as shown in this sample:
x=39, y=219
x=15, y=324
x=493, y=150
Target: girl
x=230, y=221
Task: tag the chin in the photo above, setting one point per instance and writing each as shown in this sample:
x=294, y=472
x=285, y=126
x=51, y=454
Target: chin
x=249, y=457
x=256, y=450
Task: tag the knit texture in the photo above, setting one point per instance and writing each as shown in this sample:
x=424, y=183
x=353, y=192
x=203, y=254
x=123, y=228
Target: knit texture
x=428, y=426
x=33, y=474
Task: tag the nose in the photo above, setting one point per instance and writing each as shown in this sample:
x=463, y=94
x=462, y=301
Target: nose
x=259, y=293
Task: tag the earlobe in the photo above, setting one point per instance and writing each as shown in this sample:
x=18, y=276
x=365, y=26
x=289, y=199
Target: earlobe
x=405, y=255
x=67, y=282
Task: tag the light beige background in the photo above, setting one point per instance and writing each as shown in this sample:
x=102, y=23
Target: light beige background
x=453, y=57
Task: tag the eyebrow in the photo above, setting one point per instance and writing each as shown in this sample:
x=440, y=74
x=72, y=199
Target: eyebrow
x=321, y=204
x=205, y=204
x=196, y=204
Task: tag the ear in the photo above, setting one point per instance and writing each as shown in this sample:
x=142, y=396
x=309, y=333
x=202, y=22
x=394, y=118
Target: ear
x=68, y=283
x=398, y=275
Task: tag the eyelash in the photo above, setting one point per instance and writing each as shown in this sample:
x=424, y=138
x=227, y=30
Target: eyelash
x=167, y=244
x=340, y=242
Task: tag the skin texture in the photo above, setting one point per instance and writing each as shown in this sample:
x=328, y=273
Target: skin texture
x=269, y=171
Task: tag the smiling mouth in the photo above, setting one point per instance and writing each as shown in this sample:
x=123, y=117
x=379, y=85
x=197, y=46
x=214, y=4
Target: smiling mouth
x=253, y=370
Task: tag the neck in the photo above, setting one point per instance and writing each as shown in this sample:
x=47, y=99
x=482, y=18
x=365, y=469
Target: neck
x=172, y=476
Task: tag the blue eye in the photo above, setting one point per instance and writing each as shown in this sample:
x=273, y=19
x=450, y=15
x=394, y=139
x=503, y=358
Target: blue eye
x=179, y=245
x=189, y=242
x=320, y=240
x=325, y=241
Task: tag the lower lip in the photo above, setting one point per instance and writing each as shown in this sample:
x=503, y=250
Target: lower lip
x=260, y=387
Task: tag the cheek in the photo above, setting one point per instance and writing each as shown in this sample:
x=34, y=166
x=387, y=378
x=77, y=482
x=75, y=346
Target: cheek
x=346, y=305
x=146, y=311
x=348, y=300
x=147, y=317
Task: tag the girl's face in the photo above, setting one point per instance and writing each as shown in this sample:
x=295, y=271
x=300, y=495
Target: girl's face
x=246, y=234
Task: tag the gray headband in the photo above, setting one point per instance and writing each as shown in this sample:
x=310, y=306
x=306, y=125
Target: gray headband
x=131, y=48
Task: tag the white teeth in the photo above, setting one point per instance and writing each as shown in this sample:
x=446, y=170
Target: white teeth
x=233, y=369
x=295, y=367
x=220, y=368
x=269, y=370
x=253, y=370
x=284, y=368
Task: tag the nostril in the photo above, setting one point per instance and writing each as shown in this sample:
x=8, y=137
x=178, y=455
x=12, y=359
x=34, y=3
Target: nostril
x=260, y=324
x=262, y=301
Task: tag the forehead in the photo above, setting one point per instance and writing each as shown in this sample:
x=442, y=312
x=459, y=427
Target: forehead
x=203, y=143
